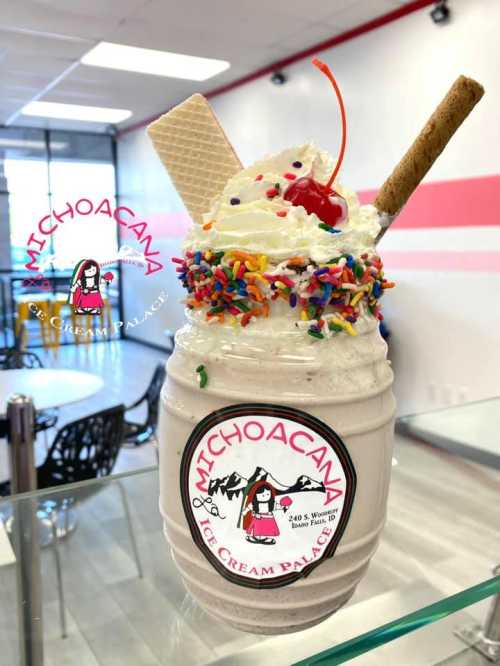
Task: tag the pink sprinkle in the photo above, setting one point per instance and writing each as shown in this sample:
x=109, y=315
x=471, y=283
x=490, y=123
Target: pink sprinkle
x=234, y=311
x=290, y=176
x=176, y=260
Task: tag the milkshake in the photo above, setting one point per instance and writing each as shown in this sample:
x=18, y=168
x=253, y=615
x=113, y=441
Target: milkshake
x=277, y=414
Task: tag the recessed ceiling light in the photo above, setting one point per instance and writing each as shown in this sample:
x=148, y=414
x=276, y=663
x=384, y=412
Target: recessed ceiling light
x=150, y=61
x=92, y=114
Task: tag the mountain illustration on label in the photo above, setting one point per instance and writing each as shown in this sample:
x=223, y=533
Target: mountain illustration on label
x=267, y=492
x=234, y=484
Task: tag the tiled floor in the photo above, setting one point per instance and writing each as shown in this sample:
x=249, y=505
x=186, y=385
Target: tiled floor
x=442, y=535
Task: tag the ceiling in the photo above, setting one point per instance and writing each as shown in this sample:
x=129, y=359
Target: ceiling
x=42, y=41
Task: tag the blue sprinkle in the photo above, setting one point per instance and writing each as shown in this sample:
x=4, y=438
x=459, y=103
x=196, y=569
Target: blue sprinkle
x=321, y=271
x=350, y=261
x=230, y=288
x=219, y=286
x=213, y=303
x=241, y=283
x=197, y=258
x=293, y=300
x=326, y=293
x=315, y=300
x=377, y=289
x=297, y=164
x=235, y=201
x=242, y=292
x=351, y=319
x=335, y=231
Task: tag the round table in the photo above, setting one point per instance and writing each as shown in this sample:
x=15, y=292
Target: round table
x=48, y=387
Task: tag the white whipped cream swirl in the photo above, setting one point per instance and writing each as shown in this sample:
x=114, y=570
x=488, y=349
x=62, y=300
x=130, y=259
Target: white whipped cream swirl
x=253, y=225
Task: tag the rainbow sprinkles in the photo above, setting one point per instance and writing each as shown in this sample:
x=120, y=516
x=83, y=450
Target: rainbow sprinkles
x=236, y=287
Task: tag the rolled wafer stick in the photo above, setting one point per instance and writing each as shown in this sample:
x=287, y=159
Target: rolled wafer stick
x=462, y=97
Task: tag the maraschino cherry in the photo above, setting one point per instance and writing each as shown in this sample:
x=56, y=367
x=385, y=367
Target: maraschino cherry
x=316, y=197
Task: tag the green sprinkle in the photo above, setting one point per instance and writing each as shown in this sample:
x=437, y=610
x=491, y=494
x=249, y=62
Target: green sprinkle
x=228, y=272
x=311, y=311
x=203, y=375
x=277, y=186
x=241, y=305
x=325, y=227
x=216, y=310
x=359, y=271
x=315, y=334
x=217, y=258
x=334, y=327
x=208, y=274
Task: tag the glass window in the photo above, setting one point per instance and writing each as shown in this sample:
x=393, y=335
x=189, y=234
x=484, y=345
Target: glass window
x=81, y=167
x=24, y=185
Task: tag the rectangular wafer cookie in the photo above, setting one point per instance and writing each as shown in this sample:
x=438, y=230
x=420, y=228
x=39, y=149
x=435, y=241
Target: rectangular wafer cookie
x=196, y=153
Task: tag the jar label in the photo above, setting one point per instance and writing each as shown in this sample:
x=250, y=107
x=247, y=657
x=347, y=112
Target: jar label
x=267, y=492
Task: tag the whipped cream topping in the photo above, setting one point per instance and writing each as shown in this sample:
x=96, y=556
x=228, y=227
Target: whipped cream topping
x=253, y=225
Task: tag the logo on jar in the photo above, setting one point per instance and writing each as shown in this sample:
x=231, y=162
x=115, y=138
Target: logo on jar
x=267, y=492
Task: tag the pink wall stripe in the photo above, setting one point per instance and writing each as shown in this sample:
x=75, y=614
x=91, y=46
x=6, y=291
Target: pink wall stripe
x=450, y=203
x=477, y=261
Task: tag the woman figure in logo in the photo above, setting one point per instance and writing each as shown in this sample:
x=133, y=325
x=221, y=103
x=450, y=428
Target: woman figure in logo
x=258, y=515
x=85, y=295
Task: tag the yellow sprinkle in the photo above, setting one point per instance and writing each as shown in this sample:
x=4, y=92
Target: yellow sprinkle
x=232, y=320
x=357, y=298
x=251, y=266
x=236, y=268
x=280, y=285
x=303, y=316
x=208, y=254
x=350, y=329
x=255, y=275
x=346, y=325
x=262, y=262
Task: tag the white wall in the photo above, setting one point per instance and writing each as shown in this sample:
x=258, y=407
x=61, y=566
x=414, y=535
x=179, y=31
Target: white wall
x=445, y=323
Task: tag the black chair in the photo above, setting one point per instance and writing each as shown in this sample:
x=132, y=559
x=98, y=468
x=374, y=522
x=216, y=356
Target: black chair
x=82, y=450
x=139, y=433
x=15, y=359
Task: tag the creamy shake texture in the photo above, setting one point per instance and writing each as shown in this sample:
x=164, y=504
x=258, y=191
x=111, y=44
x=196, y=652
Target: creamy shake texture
x=283, y=334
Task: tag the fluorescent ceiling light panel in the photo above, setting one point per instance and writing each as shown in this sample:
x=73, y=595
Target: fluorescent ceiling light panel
x=31, y=144
x=149, y=61
x=91, y=114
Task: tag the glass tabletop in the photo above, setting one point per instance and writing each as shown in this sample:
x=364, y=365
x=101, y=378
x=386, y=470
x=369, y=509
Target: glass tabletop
x=108, y=581
x=471, y=429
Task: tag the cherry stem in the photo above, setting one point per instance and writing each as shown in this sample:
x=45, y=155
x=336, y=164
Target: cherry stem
x=327, y=72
